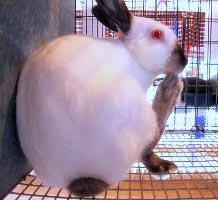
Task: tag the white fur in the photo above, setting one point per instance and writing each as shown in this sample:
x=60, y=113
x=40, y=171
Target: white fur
x=150, y=54
x=81, y=106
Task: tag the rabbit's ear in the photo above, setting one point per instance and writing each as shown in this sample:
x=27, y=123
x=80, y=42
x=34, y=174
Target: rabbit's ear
x=104, y=18
x=115, y=14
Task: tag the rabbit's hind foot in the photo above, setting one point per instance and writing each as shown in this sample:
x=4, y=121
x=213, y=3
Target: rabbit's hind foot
x=157, y=165
x=86, y=187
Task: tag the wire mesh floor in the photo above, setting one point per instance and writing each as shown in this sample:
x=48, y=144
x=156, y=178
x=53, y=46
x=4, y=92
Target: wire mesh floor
x=195, y=154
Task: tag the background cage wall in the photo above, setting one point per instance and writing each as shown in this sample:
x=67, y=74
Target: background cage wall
x=196, y=24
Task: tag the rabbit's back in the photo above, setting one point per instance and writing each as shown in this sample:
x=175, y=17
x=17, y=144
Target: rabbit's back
x=79, y=117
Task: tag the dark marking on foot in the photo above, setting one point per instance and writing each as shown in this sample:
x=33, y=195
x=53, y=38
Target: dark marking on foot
x=156, y=164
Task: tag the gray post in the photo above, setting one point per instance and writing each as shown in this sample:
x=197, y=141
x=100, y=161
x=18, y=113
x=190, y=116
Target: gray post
x=24, y=26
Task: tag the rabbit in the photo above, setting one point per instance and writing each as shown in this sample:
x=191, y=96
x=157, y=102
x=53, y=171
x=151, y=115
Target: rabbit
x=82, y=115
x=168, y=95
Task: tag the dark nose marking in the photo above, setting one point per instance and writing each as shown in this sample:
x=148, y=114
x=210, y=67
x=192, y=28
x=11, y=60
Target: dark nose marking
x=184, y=59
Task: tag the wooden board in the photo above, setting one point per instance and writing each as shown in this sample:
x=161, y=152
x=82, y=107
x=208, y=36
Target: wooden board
x=24, y=26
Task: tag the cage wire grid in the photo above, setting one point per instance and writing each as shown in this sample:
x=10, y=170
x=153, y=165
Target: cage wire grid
x=194, y=150
x=195, y=22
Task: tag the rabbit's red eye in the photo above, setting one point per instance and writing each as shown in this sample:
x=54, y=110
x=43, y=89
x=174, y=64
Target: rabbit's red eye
x=157, y=35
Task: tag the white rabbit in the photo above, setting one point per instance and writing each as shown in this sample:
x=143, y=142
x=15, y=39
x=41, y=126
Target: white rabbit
x=82, y=115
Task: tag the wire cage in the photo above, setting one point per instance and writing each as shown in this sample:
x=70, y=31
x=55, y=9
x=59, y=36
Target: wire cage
x=190, y=139
x=195, y=24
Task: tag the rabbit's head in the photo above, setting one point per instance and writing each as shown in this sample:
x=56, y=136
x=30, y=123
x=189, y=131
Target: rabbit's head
x=152, y=44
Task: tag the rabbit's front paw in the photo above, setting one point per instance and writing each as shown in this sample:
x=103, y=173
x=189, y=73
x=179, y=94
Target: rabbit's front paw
x=158, y=165
x=169, y=90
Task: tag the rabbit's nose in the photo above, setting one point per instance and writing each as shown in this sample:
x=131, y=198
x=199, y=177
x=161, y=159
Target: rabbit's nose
x=184, y=59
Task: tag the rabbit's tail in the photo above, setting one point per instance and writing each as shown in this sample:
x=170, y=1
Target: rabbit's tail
x=87, y=187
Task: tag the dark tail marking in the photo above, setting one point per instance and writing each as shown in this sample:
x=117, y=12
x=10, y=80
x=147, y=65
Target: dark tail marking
x=87, y=187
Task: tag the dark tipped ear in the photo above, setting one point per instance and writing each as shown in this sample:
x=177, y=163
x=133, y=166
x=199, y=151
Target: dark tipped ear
x=105, y=19
x=116, y=12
